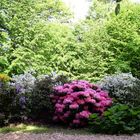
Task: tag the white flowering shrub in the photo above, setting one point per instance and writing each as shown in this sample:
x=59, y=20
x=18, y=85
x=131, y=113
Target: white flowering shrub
x=22, y=86
x=24, y=83
x=123, y=87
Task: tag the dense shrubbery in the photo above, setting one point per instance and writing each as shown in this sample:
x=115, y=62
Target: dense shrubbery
x=113, y=42
x=25, y=95
x=8, y=107
x=30, y=98
x=75, y=101
x=3, y=87
x=116, y=120
x=23, y=86
x=24, y=83
x=135, y=64
x=123, y=31
x=39, y=101
x=102, y=45
x=37, y=35
x=124, y=88
x=21, y=24
x=119, y=38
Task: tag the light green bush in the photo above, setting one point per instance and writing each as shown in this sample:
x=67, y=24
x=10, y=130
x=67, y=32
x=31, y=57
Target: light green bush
x=124, y=34
x=114, y=42
x=18, y=19
x=87, y=51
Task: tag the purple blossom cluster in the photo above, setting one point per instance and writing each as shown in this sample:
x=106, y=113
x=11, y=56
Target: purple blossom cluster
x=74, y=102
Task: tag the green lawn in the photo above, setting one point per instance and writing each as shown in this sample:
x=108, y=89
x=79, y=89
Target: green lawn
x=24, y=128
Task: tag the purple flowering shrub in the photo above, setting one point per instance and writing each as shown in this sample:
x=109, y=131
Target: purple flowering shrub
x=14, y=93
x=74, y=102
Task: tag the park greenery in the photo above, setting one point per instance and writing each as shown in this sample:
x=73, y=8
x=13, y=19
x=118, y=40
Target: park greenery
x=48, y=64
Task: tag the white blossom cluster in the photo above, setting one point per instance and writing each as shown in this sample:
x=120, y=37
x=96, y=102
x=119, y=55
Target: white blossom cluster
x=123, y=87
x=24, y=83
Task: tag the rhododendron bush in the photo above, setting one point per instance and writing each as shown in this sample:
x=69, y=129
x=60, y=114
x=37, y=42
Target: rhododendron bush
x=74, y=102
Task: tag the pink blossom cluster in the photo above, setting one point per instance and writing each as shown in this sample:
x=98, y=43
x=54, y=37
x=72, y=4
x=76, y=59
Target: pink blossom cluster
x=76, y=101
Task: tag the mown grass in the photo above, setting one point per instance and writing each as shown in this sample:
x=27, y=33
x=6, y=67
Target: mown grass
x=24, y=128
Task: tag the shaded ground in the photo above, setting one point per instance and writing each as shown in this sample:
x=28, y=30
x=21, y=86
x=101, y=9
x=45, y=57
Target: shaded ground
x=62, y=136
x=55, y=133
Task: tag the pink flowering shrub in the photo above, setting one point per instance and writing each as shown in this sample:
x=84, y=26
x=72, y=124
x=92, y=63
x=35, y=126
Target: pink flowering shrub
x=74, y=102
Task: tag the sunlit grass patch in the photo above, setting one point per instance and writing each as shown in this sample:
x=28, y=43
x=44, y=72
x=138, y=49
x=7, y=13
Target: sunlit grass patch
x=24, y=128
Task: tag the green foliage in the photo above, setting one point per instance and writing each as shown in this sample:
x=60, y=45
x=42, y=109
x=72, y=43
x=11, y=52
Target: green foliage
x=18, y=19
x=25, y=97
x=39, y=101
x=31, y=38
x=4, y=47
x=52, y=47
x=98, y=58
x=8, y=108
x=135, y=64
x=3, y=63
x=118, y=119
x=117, y=40
x=101, y=10
x=123, y=31
x=35, y=35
